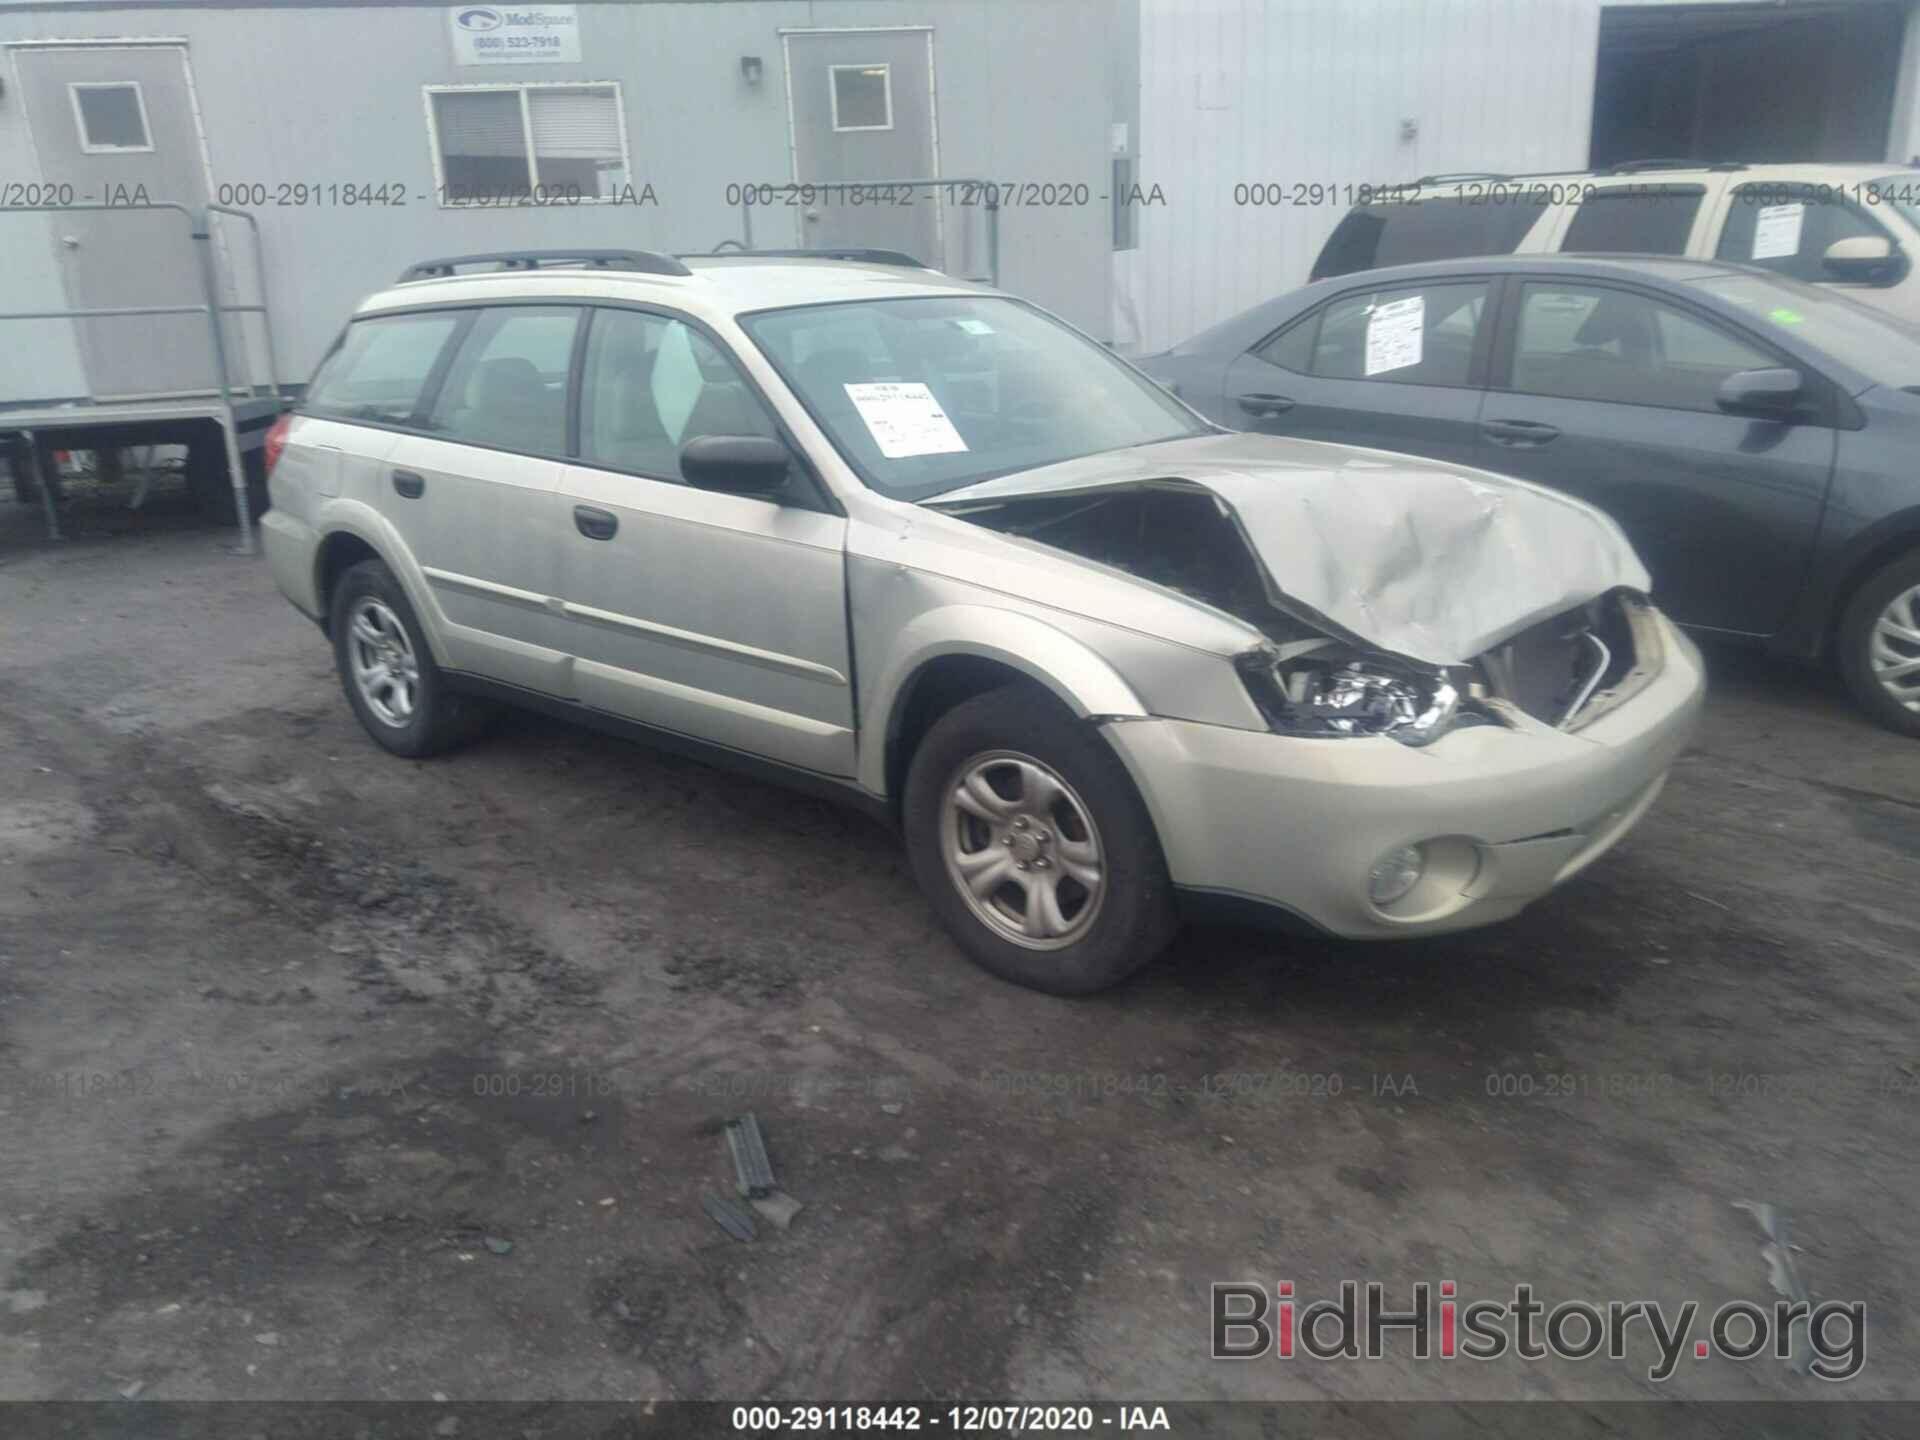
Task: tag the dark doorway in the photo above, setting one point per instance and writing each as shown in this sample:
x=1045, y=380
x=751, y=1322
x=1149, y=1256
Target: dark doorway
x=1758, y=83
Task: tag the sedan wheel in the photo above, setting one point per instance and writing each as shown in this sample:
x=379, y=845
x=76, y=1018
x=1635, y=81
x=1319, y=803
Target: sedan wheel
x=1022, y=848
x=1895, y=652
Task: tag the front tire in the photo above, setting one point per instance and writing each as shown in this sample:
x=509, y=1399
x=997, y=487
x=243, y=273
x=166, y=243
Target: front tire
x=1030, y=842
x=388, y=672
x=1879, y=645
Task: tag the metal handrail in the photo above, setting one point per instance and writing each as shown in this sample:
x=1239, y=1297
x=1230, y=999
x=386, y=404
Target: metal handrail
x=201, y=230
x=988, y=189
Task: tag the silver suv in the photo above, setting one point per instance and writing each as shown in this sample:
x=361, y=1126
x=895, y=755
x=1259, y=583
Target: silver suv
x=917, y=542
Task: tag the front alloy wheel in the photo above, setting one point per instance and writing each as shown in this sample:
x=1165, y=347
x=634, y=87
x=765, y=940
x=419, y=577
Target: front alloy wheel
x=1023, y=850
x=1895, y=649
x=1032, y=845
x=1879, y=645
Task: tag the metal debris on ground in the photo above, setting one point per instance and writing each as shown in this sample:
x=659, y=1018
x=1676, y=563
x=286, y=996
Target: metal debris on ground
x=778, y=1208
x=1781, y=1274
x=728, y=1215
x=753, y=1170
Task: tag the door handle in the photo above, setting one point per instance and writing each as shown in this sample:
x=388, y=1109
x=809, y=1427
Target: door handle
x=1518, y=434
x=1258, y=404
x=408, y=484
x=595, y=524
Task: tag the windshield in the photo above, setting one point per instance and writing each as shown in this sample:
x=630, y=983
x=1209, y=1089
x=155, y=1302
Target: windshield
x=930, y=393
x=1877, y=345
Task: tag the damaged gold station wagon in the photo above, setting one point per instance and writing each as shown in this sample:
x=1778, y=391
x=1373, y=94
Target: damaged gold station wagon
x=879, y=530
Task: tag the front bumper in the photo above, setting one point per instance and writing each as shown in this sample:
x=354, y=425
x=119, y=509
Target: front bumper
x=1506, y=814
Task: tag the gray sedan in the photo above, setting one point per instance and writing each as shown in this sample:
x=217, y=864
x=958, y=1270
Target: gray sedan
x=1754, y=437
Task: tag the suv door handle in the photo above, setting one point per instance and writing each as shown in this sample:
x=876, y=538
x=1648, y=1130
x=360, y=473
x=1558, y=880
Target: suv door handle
x=595, y=524
x=1518, y=434
x=408, y=484
x=1258, y=404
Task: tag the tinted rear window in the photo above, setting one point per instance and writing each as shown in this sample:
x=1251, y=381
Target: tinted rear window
x=1441, y=228
x=1634, y=220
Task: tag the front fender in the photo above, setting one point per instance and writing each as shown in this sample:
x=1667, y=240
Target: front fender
x=1083, y=682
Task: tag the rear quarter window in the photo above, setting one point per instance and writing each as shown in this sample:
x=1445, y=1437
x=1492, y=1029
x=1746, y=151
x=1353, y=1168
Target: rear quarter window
x=1443, y=227
x=381, y=366
x=1639, y=219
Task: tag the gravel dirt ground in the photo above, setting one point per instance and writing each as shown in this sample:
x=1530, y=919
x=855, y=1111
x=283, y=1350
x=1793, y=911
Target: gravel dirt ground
x=326, y=1074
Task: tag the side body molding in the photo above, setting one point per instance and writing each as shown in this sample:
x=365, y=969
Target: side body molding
x=1083, y=681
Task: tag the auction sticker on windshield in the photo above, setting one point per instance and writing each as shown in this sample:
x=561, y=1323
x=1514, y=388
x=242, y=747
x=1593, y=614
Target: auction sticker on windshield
x=904, y=419
x=1394, y=334
x=1776, y=231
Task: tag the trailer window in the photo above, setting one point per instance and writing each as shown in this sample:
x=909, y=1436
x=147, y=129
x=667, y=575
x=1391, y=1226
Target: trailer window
x=112, y=117
x=514, y=144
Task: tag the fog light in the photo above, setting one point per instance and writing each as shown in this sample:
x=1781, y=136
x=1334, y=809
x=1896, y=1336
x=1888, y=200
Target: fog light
x=1395, y=873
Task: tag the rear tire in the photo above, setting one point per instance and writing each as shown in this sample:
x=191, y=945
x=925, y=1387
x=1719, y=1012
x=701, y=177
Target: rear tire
x=1879, y=633
x=388, y=672
x=1030, y=842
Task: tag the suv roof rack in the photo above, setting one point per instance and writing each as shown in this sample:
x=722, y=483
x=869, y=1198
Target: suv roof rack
x=856, y=254
x=1678, y=162
x=648, y=262
x=1454, y=177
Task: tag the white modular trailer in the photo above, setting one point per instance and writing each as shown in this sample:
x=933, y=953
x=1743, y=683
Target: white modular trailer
x=362, y=138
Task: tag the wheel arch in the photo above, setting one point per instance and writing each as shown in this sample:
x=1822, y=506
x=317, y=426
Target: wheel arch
x=951, y=654
x=351, y=532
x=1882, y=545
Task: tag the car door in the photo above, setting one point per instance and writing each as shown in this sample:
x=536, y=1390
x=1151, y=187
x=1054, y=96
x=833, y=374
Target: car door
x=1395, y=367
x=718, y=616
x=1607, y=392
x=470, y=489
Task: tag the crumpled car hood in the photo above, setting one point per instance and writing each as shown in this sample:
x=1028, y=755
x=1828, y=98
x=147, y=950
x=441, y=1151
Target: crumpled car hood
x=1432, y=561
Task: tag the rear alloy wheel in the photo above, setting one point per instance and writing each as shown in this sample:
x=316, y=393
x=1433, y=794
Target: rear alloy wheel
x=1880, y=646
x=391, y=681
x=1033, y=847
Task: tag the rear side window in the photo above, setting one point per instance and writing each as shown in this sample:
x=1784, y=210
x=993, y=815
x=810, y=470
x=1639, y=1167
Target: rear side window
x=1441, y=228
x=508, y=385
x=1634, y=220
x=1413, y=335
x=381, y=367
x=1787, y=229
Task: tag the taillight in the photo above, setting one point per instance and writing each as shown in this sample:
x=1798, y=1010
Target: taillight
x=277, y=439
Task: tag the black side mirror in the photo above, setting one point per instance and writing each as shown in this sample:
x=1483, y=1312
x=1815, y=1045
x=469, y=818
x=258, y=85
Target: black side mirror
x=1762, y=394
x=736, y=465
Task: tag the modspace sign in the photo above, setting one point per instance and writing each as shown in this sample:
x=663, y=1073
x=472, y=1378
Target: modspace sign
x=514, y=34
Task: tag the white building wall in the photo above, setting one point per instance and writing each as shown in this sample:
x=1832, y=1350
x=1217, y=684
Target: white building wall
x=1314, y=91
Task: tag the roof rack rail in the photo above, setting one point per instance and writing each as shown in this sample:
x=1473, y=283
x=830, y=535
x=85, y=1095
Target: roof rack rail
x=647, y=261
x=1634, y=167
x=1457, y=176
x=855, y=253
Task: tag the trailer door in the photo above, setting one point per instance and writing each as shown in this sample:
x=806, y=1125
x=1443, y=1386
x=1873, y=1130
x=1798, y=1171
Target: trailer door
x=118, y=123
